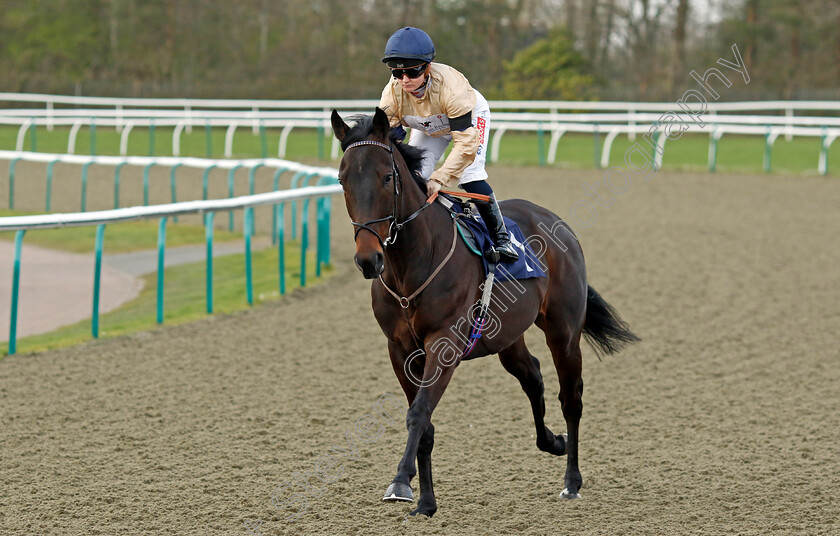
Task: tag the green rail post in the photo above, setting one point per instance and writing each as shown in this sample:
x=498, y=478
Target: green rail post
x=300, y=180
x=92, y=136
x=208, y=139
x=324, y=234
x=146, y=169
x=160, y=266
x=768, y=151
x=323, y=218
x=48, y=202
x=12, y=163
x=33, y=136
x=328, y=217
x=275, y=185
x=281, y=253
x=208, y=233
x=205, y=179
x=596, y=147
x=97, y=277
x=276, y=181
x=304, y=184
x=85, y=168
x=263, y=140
x=319, y=230
x=172, y=188
x=231, y=176
x=151, y=137
x=655, y=149
x=117, y=170
x=294, y=184
x=248, y=225
x=15, y=294
x=304, y=241
x=252, y=177
x=327, y=231
x=540, y=144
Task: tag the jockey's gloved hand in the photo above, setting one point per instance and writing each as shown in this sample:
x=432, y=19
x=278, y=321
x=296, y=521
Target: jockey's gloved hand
x=432, y=187
x=398, y=133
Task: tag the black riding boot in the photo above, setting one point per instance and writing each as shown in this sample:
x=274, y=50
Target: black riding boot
x=492, y=217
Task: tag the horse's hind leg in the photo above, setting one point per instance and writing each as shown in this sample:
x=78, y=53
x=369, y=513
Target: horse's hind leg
x=565, y=350
x=526, y=368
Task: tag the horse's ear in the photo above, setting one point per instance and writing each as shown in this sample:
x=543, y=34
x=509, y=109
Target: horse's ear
x=339, y=127
x=381, y=125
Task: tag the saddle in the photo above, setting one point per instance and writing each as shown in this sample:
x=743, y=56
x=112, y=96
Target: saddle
x=476, y=237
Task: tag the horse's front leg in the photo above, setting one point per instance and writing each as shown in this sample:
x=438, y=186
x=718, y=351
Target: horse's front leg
x=430, y=387
x=427, y=505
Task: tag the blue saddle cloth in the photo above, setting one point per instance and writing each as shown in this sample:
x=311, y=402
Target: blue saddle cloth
x=526, y=267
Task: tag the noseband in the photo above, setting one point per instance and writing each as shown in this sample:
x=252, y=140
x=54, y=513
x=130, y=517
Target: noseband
x=395, y=226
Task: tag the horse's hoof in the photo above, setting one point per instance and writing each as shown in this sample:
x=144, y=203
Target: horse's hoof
x=398, y=492
x=565, y=494
x=428, y=512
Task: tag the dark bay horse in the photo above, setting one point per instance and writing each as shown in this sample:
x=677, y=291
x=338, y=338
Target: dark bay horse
x=425, y=287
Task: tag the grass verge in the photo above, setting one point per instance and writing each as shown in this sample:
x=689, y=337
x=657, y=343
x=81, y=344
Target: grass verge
x=184, y=297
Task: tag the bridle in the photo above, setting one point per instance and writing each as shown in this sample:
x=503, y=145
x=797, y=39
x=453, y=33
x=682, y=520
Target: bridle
x=395, y=226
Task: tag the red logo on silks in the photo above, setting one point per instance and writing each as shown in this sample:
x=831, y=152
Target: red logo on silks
x=480, y=124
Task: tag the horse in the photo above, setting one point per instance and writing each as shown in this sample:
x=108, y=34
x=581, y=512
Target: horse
x=425, y=279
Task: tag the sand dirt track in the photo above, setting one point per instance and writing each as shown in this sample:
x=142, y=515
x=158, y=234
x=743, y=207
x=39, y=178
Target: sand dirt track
x=723, y=421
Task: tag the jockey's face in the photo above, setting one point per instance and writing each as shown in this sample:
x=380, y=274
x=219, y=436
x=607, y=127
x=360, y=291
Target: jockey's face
x=412, y=84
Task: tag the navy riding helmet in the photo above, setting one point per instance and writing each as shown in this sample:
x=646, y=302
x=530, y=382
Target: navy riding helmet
x=408, y=45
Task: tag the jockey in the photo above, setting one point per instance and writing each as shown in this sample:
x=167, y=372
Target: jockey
x=439, y=105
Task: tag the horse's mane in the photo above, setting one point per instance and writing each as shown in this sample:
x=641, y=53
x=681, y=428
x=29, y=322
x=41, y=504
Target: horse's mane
x=413, y=156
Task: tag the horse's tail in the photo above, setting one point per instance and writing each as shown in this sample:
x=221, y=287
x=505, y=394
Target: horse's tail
x=603, y=329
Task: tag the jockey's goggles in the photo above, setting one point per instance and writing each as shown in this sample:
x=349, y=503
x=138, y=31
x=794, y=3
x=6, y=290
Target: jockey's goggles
x=412, y=72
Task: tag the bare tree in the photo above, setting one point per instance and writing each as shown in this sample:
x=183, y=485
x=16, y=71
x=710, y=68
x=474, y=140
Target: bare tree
x=679, y=42
x=572, y=19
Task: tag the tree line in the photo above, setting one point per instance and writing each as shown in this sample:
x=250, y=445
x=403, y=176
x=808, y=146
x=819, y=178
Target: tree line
x=509, y=49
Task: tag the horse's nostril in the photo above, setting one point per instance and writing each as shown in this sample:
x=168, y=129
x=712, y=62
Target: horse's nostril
x=371, y=266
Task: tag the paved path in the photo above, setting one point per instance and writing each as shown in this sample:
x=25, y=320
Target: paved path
x=145, y=262
x=56, y=287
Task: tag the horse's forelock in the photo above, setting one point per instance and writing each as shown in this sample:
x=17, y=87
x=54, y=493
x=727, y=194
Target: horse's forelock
x=413, y=156
x=362, y=126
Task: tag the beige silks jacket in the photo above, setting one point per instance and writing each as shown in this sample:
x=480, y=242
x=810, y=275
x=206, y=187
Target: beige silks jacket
x=448, y=95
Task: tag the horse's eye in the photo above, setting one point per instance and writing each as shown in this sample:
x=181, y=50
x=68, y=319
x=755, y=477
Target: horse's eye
x=388, y=177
